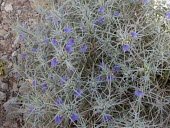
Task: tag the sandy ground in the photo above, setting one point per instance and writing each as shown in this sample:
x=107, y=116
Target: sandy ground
x=10, y=10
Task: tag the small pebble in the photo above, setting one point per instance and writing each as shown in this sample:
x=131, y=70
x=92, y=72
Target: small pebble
x=2, y=96
x=4, y=86
x=14, y=53
x=8, y=35
x=8, y=7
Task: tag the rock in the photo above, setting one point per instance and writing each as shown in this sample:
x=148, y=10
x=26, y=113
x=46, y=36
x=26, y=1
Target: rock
x=19, y=12
x=4, y=86
x=2, y=96
x=12, y=115
x=3, y=43
x=3, y=3
x=16, y=41
x=1, y=37
x=6, y=124
x=11, y=105
x=24, y=89
x=15, y=87
x=8, y=7
x=2, y=32
x=14, y=54
x=8, y=35
x=6, y=27
x=5, y=56
x=13, y=46
x=10, y=65
x=9, y=124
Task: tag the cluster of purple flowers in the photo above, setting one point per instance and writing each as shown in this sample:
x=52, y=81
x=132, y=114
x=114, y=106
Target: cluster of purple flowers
x=101, y=19
x=74, y=117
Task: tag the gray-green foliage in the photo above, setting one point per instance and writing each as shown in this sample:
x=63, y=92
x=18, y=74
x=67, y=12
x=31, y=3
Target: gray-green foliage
x=145, y=67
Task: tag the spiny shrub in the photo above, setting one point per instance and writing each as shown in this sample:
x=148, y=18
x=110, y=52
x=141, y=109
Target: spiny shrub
x=96, y=63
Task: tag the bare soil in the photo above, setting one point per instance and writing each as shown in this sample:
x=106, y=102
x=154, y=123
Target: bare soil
x=10, y=12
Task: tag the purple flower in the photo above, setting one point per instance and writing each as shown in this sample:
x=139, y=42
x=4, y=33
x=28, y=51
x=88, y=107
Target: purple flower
x=101, y=64
x=82, y=27
x=74, y=117
x=22, y=36
x=34, y=83
x=55, y=20
x=99, y=79
x=46, y=40
x=95, y=21
x=71, y=70
x=32, y=109
x=16, y=75
x=48, y=16
x=70, y=41
x=138, y=93
x=34, y=50
x=59, y=101
x=63, y=80
x=110, y=78
x=100, y=10
x=23, y=54
x=116, y=68
x=145, y=1
x=58, y=119
x=116, y=13
x=78, y=93
x=54, y=63
x=168, y=15
x=44, y=86
x=67, y=30
x=100, y=20
x=53, y=76
x=69, y=48
x=54, y=41
x=126, y=47
x=107, y=117
x=84, y=48
x=134, y=34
